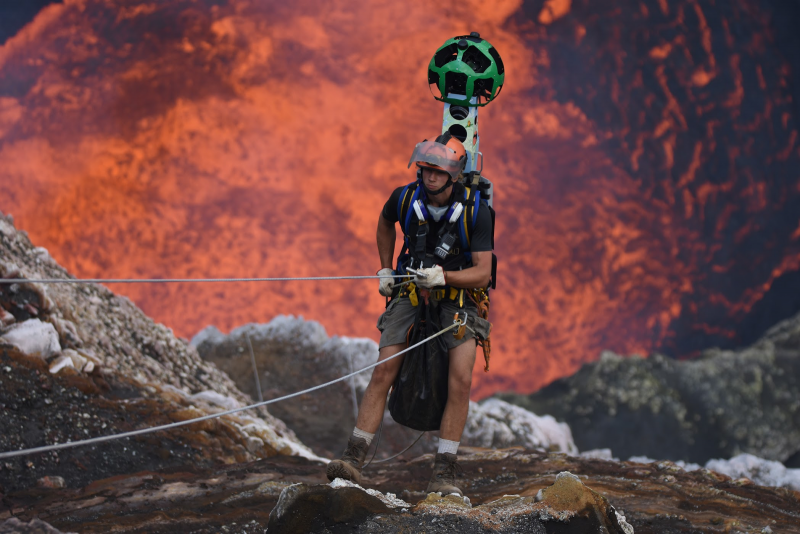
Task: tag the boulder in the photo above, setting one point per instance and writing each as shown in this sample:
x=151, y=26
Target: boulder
x=34, y=338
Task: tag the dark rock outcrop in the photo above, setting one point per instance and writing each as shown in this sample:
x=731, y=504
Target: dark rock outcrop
x=717, y=406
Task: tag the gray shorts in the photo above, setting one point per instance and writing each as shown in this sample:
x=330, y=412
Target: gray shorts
x=399, y=316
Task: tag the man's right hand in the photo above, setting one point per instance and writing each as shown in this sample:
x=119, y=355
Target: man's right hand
x=387, y=284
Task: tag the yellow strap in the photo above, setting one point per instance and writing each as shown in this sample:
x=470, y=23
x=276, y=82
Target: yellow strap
x=412, y=294
x=464, y=217
x=461, y=298
x=453, y=293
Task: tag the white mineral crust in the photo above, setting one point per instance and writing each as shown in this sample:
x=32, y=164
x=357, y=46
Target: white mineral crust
x=760, y=471
x=496, y=423
x=33, y=338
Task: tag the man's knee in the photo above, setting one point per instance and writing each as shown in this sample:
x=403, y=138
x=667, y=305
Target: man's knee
x=384, y=375
x=460, y=383
x=462, y=359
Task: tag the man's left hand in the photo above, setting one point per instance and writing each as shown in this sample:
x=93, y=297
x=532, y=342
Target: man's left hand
x=434, y=276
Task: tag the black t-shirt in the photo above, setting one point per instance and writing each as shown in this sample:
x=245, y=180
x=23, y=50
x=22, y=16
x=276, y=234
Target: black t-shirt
x=480, y=236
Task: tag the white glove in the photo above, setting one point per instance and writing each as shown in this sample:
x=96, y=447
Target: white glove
x=387, y=284
x=433, y=277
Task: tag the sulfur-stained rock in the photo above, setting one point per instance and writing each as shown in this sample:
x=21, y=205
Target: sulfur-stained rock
x=34, y=338
x=569, y=499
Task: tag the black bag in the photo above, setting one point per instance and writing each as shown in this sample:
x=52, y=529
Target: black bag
x=419, y=393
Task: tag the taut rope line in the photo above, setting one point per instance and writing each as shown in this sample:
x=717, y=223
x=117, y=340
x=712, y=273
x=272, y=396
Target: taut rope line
x=187, y=280
x=99, y=439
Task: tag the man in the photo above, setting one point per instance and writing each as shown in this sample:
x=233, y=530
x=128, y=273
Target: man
x=440, y=167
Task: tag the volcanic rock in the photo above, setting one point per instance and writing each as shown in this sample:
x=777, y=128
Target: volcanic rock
x=292, y=354
x=503, y=485
x=566, y=506
x=720, y=405
x=119, y=371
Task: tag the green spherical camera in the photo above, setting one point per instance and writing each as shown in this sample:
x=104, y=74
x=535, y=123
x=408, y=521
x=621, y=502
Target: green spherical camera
x=466, y=71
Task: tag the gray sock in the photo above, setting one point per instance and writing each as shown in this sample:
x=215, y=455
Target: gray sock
x=447, y=446
x=358, y=433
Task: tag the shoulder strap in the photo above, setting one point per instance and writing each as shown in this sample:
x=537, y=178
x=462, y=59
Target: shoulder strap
x=472, y=194
x=408, y=195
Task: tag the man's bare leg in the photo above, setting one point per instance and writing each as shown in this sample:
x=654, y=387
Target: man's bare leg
x=370, y=415
x=459, y=383
x=444, y=478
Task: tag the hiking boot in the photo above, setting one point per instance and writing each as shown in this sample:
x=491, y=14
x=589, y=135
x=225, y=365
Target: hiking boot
x=445, y=471
x=349, y=467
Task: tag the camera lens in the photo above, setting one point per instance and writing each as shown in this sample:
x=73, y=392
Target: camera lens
x=459, y=113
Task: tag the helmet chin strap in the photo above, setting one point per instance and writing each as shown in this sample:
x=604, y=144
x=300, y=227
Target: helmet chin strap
x=441, y=189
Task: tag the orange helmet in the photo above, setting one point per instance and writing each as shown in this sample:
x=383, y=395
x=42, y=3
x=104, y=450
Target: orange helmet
x=446, y=154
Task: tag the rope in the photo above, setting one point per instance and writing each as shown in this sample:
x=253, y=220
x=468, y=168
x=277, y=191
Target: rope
x=58, y=446
x=187, y=280
x=380, y=431
x=399, y=453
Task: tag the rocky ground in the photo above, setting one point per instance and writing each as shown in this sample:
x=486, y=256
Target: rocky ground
x=653, y=498
x=77, y=361
x=723, y=404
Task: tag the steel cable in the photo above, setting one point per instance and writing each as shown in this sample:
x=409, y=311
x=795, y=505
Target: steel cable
x=187, y=280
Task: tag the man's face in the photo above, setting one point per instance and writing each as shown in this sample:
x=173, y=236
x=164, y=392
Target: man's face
x=434, y=179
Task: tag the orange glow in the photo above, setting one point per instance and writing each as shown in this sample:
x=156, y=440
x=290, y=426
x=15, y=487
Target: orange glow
x=172, y=139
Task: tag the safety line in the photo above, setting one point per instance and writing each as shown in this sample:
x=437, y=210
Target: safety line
x=58, y=446
x=187, y=280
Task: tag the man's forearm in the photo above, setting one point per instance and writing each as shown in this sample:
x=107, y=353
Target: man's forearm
x=471, y=278
x=479, y=275
x=386, y=235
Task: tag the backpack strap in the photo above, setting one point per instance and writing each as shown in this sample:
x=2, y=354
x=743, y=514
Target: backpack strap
x=404, y=203
x=408, y=196
x=469, y=218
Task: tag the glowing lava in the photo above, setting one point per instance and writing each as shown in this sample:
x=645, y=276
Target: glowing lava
x=643, y=157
